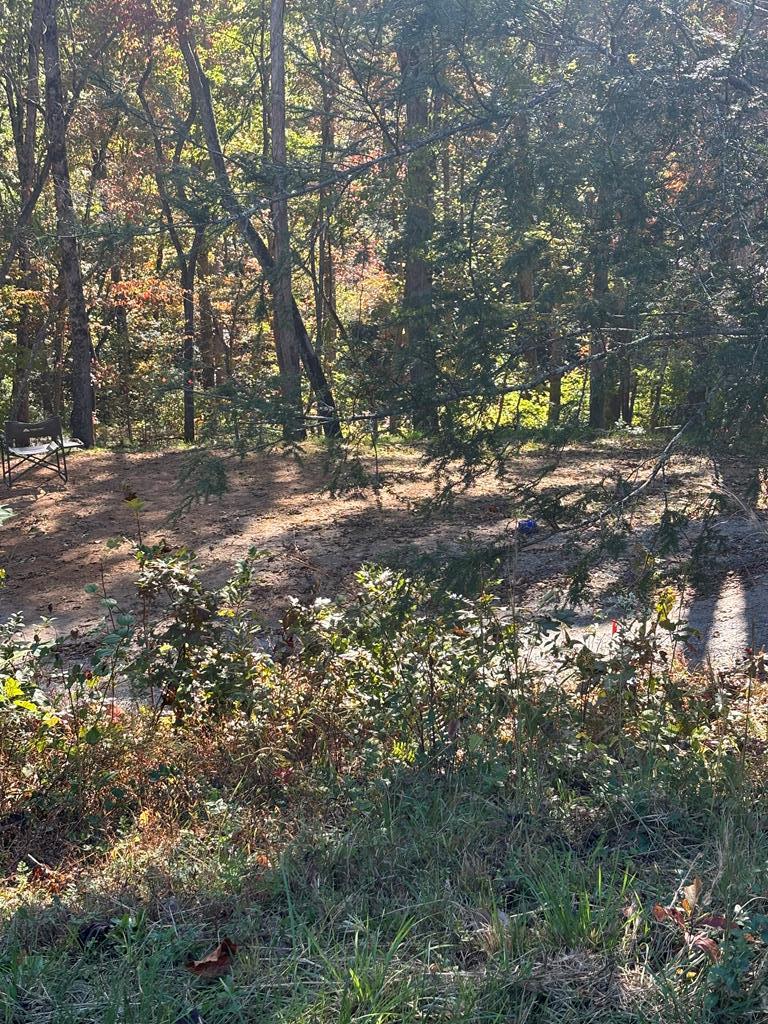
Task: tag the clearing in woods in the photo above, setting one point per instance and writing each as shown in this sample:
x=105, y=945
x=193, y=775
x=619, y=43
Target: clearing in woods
x=56, y=542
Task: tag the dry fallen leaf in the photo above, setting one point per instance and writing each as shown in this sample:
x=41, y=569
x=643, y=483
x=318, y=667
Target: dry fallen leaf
x=707, y=944
x=217, y=963
x=713, y=921
x=669, y=914
x=692, y=893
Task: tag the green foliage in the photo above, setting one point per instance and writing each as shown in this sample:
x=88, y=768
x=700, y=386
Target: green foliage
x=507, y=814
x=204, y=653
x=202, y=476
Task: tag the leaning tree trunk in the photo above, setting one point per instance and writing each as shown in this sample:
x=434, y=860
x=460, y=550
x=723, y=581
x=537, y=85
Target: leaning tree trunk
x=286, y=342
x=81, y=422
x=201, y=92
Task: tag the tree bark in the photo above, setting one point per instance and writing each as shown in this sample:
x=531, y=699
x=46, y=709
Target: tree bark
x=187, y=268
x=419, y=227
x=23, y=101
x=201, y=92
x=186, y=259
x=125, y=362
x=600, y=294
x=81, y=421
x=214, y=349
x=325, y=284
x=286, y=341
x=597, y=347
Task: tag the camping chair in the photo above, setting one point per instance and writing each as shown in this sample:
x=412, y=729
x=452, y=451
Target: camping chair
x=17, y=446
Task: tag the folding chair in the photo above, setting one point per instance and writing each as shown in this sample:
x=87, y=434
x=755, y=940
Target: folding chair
x=23, y=442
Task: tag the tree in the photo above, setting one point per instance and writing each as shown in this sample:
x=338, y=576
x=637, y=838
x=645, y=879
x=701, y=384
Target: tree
x=22, y=90
x=286, y=341
x=201, y=92
x=81, y=420
x=419, y=223
x=187, y=256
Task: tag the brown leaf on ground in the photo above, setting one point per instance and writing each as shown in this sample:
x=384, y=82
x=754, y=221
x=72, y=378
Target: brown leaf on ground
x=669, y=914
x=713, y=921
x=707, y=944
x=691, y=893
x=217, y=963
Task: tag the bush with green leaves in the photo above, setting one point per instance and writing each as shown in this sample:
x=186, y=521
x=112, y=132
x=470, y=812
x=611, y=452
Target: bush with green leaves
x=409, y=668
x=196, y=647
x=399, y=678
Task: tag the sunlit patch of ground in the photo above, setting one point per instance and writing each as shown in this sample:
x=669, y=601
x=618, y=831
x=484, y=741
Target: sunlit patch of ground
x=56, y=543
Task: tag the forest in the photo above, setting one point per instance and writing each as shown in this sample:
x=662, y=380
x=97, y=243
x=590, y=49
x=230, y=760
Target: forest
x=383, y=576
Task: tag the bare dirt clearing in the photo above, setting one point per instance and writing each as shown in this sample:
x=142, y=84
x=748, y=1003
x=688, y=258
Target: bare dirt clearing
x=56, y=542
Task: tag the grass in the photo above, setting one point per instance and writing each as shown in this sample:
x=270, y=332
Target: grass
x=572, y=856
x=417, y=899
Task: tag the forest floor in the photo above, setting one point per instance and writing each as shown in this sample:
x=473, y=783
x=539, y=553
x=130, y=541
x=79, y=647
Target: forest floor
x=55, y=544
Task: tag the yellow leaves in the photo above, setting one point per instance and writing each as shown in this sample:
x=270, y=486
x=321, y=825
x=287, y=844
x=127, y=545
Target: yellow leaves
x=11, y=689
x=691, y=894
x=14, y=300
x=145, y=293
x=145, y=819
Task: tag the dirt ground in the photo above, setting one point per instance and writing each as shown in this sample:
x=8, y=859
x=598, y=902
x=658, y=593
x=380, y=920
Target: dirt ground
x=55, y=543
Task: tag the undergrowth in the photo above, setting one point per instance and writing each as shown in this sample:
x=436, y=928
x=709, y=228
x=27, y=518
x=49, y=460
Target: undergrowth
x=412, y=806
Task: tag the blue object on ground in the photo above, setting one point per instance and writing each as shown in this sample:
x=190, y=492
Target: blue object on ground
x=527, y=526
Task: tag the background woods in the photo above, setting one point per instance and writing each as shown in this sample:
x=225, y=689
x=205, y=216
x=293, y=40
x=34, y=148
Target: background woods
x=470, y=215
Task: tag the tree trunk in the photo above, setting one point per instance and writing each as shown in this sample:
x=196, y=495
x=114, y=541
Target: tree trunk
x=555, y=382
x=81, y=422
x=521, y=197
x=214, y=350
x=597, y=348
x=23, y=105
x=200, y=89
x=186, y=259
x=626, y=388
x=206, y=337
x=59, y=331
x=658, y=390
x=325, y=300
x=600, y=291
x=124, y=360
x=25, y=333
x=286, y=341
x=419, y=226
x=188, y=347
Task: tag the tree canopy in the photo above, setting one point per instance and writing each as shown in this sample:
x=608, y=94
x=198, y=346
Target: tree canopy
x=241, y=219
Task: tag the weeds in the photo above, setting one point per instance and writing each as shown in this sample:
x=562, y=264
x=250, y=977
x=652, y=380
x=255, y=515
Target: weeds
x=409, y=807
